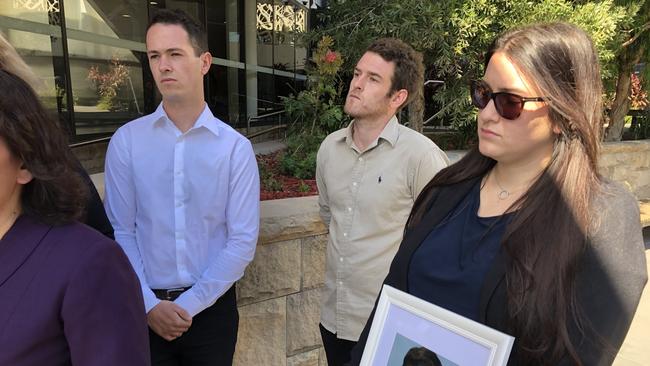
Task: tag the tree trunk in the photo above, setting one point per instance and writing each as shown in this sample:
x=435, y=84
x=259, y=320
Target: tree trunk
x=621, y=105
x=416, y=112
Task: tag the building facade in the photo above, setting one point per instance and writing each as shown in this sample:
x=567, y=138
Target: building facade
x=91, y=56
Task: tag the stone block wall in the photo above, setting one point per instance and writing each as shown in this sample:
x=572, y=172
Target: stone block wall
x=279, y=295
x=628, y=162
x=92, y=156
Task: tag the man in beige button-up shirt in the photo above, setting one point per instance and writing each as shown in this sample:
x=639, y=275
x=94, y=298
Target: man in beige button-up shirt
x=369, y=174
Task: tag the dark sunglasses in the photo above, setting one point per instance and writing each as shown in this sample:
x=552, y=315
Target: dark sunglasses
x=508, y=105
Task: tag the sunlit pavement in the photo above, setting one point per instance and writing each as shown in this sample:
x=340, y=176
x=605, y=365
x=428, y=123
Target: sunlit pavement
x=636, y=348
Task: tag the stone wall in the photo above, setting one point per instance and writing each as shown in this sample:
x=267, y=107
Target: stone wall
x=92, y=156
x=628, y=162
x=279, y=296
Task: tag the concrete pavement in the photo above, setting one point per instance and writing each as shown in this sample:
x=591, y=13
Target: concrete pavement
x=636, y=347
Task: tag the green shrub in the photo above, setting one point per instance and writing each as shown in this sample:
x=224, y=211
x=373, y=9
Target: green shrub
x=314, y=112
x=304, y=187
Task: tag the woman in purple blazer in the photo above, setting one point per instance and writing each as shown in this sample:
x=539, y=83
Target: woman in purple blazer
x=68, y=295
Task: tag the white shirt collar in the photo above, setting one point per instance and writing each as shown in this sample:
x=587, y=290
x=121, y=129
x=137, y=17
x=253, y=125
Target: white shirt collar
x=206, y=119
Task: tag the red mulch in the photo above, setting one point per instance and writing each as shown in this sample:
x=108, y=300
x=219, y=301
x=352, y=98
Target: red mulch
x=290, y=186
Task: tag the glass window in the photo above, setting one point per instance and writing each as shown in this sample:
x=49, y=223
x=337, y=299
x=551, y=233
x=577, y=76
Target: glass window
x=38, y=56
x=286, y=23
x=194, y=8
x=107, y=86
x=226, y=99
x=33, y=28
x=225, y=28
x=265, y=24
x=36, y=50
x=29, y=10
x=266, y=96
x=123, y=19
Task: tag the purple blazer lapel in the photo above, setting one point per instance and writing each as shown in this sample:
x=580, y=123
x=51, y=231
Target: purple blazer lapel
x=18, y=244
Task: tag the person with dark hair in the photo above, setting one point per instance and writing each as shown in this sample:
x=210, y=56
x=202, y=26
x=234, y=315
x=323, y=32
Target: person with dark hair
x=421, y=356
x=368, y=177
x=94, y=214
x=523, y=234
x=69, y=295
x=182, y=193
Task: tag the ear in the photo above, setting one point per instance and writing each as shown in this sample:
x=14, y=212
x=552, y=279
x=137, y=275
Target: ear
x=206, y=62
x=556, y=129
x=398, y=98
x=24, y=176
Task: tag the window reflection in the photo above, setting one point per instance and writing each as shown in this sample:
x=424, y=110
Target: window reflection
x=31, y=10
x=123, y=19
x=107, y=86
x=36, y=50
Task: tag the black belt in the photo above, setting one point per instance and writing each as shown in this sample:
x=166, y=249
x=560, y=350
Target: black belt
x=170, y=294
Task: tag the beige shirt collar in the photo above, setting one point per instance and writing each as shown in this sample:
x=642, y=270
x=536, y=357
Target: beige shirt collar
x=390, y=133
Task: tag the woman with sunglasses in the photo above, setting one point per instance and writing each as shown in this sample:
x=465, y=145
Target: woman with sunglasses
x=523, y=234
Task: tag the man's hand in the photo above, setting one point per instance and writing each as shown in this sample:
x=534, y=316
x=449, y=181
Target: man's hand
x=169, y=320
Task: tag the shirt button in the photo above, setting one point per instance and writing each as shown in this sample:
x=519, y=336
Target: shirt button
x=345, y=235
x=340, y=283
x=341, y=259
x=349, y=209
x=178, y=172
x=179, y=204
x=360, y=159
x=354, y=184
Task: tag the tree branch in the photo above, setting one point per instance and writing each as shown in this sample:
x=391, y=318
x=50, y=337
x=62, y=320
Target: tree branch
x=644, y=28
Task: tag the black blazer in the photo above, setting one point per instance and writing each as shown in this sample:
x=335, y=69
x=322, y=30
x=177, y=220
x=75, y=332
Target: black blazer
x=608, y=287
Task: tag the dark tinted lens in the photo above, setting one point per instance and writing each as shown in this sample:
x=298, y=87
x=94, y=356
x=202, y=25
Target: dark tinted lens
x=480, y=94
x=508, y=105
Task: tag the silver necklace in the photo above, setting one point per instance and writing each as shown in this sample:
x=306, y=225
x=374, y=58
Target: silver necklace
x=503, y=193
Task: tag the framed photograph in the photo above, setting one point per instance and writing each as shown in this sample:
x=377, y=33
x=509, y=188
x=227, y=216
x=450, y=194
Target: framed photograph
x=407, y=330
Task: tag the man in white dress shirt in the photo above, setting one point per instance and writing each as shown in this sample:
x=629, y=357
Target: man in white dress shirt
x=182, y=193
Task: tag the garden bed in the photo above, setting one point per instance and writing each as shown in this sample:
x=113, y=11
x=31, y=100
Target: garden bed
x=275, y=185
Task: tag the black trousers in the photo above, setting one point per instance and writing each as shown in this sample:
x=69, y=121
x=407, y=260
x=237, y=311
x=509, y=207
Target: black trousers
x=337, y=350
x=210, y=341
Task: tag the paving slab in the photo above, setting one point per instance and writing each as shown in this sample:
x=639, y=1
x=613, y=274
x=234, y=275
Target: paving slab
x=636, y=347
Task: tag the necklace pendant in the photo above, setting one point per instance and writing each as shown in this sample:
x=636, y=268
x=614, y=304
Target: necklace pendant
x=503, y=195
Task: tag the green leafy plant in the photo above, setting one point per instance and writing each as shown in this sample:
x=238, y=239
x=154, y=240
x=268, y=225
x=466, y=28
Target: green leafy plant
x=268, y=181
x=304, y=187
x=314, y=112
x=271, y=184
x=109, y=82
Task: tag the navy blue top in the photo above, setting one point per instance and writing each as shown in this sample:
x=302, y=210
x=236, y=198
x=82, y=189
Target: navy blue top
x=449, y=267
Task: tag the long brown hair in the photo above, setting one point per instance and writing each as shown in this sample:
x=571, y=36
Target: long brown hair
x=56, y=194
x=562, y=63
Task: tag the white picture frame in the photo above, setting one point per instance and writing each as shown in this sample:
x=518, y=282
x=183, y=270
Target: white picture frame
x=404, y=322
